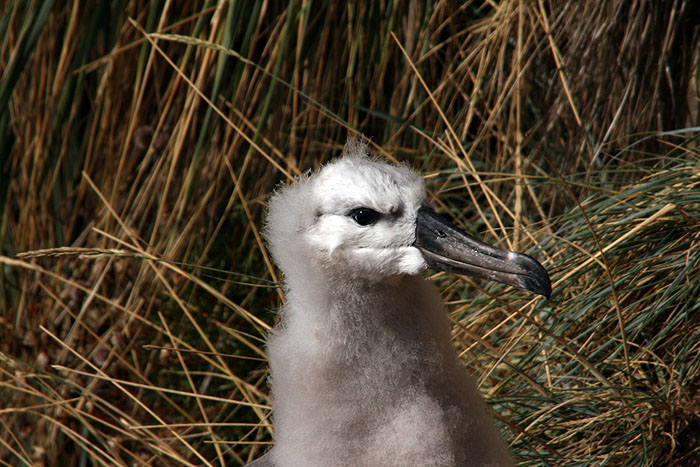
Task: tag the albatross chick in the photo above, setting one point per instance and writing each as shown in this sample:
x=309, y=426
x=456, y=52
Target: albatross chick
x=362, y=368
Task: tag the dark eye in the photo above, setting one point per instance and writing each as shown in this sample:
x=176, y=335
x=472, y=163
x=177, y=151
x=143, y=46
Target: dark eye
x=364, y=216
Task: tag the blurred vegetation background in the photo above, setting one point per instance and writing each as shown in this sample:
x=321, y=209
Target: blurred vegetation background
x=139, y=141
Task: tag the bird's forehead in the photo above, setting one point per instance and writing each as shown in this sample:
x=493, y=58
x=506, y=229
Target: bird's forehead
x=361, y=182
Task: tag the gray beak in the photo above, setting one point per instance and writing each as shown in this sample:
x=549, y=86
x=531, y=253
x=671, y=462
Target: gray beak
x=447, y=248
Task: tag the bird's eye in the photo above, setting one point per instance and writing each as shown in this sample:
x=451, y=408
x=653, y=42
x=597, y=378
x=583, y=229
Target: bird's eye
x=364, y=216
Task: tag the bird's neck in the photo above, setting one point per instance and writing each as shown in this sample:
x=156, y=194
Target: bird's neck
x=349, y=302
x=355, y=319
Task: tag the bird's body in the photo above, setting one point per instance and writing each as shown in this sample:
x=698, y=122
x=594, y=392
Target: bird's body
x=363, y=371
x=373, y=380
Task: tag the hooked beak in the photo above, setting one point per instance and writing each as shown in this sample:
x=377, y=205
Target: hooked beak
x=446, y=247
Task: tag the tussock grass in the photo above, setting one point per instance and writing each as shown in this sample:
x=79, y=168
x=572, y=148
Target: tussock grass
x=139, y=142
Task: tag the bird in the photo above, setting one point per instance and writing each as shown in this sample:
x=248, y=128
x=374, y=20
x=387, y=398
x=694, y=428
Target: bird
x=362, y=368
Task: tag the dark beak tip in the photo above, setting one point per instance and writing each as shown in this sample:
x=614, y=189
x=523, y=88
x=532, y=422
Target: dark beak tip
x=537, y=280
x=540, y=286
x=547, y=293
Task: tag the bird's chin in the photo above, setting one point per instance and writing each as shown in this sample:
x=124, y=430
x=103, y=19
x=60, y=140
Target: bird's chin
x=376, y=263
x=410, y=261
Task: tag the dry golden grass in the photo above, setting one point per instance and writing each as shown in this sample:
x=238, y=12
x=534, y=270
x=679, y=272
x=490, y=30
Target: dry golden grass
x=139, y=142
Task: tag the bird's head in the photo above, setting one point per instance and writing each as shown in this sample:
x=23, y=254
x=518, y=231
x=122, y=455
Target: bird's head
x=364, y=218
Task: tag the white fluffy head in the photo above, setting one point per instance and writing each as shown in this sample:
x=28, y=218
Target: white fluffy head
x=311, y=223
